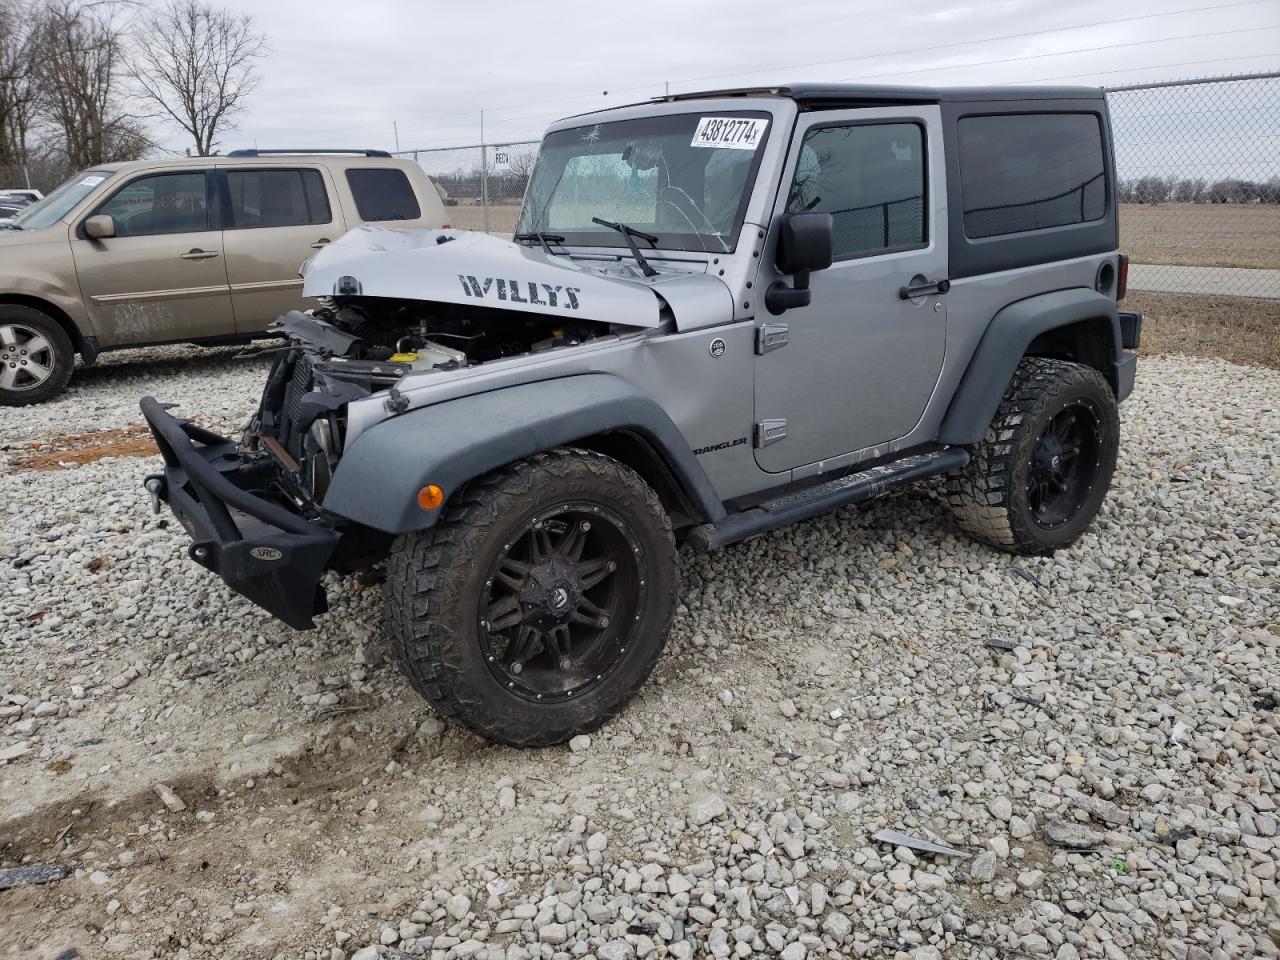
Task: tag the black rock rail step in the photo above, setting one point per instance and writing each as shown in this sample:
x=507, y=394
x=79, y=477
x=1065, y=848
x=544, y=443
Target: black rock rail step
x=811, y=501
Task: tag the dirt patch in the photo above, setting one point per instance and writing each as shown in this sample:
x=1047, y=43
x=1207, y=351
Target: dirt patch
x=75, y=450
x=1202, y=234
x=1239, y=329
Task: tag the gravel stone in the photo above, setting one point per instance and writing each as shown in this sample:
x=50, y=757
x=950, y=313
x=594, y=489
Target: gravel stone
x=707, y=808
x=867, y=668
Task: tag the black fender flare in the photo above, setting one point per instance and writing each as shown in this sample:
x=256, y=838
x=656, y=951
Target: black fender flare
x=376, y=482
x=1005, y=343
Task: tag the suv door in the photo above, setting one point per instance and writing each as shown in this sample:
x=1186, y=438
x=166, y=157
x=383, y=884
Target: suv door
x=856, y=368
x=277, y=217
x=162, y=276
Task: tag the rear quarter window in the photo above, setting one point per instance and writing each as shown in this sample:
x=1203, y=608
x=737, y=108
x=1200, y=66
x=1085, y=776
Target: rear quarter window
x=1022, y=172
x=382, y=194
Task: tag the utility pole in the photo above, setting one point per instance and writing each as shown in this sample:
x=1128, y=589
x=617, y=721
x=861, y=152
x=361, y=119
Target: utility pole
x=395, y=127
x=484, y=174
x=666, y=86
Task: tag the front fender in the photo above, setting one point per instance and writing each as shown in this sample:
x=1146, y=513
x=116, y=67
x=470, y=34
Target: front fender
x=1005, y=343
x=377, y=481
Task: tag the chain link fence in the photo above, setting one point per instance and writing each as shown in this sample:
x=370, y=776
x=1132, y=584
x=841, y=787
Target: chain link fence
x=1199, y=183
x=483, y=184
x=1198, y=163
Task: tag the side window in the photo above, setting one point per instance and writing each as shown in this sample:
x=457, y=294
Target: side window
x=276, y=198
x=163, y=203
x=1031, y=172
x=871, y=179
x=382, y=194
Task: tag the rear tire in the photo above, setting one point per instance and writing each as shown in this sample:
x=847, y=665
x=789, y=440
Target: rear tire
x=1041, y=472
x=36, y=356
x=540, y=602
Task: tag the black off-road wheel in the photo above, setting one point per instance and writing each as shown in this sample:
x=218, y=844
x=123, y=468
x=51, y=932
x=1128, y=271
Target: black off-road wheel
x=1041, y=472
x=540, y=601
x=36, y=356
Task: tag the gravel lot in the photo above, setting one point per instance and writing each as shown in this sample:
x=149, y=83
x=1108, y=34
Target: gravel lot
x=1098, y=729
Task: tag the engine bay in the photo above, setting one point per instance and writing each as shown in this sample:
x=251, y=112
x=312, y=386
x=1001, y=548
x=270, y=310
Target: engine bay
x=389, y=339
x=351, y=348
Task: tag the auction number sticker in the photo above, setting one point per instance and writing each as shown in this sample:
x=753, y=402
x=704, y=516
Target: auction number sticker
x=734, y=133
x=91, y=181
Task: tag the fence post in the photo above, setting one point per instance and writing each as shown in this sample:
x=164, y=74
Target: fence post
x=484, y=184
x=484, y=175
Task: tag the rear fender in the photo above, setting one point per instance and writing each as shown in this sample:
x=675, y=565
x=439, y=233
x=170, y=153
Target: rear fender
x=1079, y=322
x=376, y=482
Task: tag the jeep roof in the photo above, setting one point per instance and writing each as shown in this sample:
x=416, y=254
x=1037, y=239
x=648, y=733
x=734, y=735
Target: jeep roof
x=841, y=96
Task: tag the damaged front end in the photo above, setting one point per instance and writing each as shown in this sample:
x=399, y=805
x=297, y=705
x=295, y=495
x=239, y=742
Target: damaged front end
x=396, y=313
x=254, y=509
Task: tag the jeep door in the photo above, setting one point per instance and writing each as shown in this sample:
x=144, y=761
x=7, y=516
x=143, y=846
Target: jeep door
x=162, y=276
x=858, y=365
x=277, y=218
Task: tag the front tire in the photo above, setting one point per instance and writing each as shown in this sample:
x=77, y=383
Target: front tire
x=1042, y=470
x=36, y=356
x=541, y=600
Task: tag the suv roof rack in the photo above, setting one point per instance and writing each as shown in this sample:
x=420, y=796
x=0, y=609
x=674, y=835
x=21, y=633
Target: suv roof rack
x=299, y=153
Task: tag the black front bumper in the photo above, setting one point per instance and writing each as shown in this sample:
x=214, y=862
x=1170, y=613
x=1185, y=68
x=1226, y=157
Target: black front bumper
x=262, y=550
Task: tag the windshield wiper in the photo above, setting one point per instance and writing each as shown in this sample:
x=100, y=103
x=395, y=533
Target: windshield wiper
x=630, y=234
x=546, y=239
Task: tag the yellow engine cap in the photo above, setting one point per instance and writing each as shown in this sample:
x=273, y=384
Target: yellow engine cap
x=403, y=357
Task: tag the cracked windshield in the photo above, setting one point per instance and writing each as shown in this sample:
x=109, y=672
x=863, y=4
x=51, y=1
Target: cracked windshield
x=683, y=178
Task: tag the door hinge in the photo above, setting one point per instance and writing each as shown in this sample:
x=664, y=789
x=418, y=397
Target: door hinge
x=770, y=336
x=770, y=431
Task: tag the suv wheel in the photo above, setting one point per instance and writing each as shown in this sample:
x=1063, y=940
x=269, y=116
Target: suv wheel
x=540, y=602
x=36, y=356
x=1040, y=474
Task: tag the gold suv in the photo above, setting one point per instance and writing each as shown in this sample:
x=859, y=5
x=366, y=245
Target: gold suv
x=203, y=250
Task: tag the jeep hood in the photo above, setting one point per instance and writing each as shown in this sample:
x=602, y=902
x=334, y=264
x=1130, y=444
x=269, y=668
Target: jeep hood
x=463, y=267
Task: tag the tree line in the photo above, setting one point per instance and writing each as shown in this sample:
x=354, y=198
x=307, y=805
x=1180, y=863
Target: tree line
x=1153, y=190
x=86, y=82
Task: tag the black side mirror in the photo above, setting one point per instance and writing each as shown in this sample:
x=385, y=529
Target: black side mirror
x=804, y=245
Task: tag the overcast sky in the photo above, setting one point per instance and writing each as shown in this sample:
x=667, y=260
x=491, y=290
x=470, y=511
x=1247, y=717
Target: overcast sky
x=341, y=72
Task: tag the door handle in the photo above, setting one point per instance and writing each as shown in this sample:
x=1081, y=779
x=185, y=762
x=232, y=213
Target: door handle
x=198, y=254
x=322, y=242
x=920, y=287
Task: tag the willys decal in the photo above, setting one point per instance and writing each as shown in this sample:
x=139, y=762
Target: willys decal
x=521, y=291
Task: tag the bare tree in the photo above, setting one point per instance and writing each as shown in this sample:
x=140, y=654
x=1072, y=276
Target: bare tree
x=18, y=88
x=78, y=50
x=197, y=66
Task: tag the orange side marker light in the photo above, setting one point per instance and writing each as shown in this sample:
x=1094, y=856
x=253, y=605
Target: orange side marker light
x=430, y=497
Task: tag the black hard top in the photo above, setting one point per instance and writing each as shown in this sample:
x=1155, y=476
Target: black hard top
x=830, y=96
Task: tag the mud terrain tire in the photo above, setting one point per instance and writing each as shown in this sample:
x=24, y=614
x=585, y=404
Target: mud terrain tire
x=1042, y=470
x=511, y=552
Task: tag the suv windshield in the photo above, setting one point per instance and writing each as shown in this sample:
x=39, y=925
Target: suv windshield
x=685, y=178
x=47, y=212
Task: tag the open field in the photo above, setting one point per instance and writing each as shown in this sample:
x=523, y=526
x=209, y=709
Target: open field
x=1202, y=234
x=1239, y=329
x=502, y=218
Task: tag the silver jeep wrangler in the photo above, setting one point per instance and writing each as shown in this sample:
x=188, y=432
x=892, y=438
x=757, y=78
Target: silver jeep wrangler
x=721, y=313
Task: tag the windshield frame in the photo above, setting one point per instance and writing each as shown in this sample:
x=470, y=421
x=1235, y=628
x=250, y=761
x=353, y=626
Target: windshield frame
x=693, y=242
x=57, y=200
